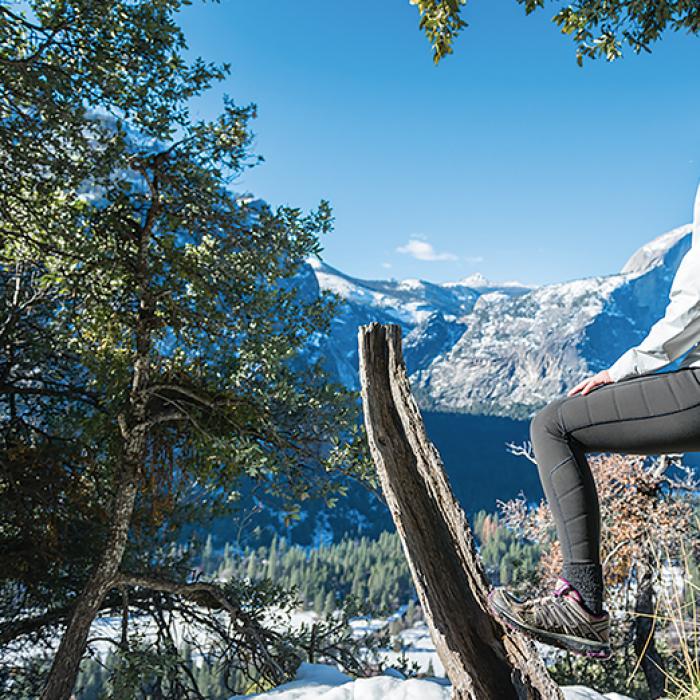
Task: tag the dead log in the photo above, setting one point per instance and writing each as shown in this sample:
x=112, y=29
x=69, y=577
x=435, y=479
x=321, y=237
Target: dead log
x=482, y=659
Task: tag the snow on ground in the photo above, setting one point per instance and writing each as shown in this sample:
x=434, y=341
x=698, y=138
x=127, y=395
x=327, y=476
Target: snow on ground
x=362, y=626
x=324, y=682
x=579, y=692
x=418, y=647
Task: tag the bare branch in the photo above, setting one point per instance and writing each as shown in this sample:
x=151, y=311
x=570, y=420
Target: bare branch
x=211, y=596
x=524, y=450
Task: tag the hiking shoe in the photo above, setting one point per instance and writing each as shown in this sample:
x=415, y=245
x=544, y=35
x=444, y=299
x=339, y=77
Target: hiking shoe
x=559, y=619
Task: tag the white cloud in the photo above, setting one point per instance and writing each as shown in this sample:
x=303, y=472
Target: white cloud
x=386, y=264
x=422, y=250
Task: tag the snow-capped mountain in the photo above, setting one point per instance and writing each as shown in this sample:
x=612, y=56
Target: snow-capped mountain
x=474, y=346
x=431, y=315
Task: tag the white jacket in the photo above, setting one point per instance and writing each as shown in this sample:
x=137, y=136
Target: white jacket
x=679, y=329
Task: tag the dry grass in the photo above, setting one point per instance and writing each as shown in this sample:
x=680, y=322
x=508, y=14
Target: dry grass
x=677, y=611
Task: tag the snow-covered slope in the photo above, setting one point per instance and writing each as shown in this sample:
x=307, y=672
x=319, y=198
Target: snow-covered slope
x=475, y=346
x=324, y=682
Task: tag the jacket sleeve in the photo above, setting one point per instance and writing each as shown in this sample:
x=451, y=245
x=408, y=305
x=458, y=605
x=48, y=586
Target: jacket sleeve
x=679, y=329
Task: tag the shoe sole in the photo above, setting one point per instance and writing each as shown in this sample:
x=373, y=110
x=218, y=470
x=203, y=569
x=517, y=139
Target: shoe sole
x=576, y=645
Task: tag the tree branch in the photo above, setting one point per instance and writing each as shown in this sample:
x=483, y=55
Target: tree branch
x=211, y=596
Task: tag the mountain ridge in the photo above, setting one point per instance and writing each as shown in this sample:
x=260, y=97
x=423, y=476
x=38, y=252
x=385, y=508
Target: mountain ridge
x=504, y=349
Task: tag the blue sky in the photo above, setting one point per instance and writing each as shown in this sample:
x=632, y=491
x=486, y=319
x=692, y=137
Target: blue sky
x=506, y=159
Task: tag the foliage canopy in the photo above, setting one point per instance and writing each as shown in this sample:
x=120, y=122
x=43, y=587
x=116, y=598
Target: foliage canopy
x=599, y=28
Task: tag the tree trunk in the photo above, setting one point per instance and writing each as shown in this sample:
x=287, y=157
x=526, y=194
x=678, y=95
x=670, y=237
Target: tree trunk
x=134, y=431
x=66, y=663
x=644, y=625
x=482, y=659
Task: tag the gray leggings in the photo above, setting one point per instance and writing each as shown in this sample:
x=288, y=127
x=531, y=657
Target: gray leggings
x=648, y=414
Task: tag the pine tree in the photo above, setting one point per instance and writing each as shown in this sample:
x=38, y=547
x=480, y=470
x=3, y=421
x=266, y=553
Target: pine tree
x=411, y=612
x=271, y=571
x=208, y=555
x=251, y=570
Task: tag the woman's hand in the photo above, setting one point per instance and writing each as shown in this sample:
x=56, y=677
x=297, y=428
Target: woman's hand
x=591, y=383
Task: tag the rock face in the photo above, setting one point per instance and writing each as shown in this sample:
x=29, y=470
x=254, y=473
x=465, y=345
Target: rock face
x=477, y=347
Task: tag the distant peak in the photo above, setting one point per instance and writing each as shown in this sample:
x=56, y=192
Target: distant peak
x=478, y=281
x=475, y=280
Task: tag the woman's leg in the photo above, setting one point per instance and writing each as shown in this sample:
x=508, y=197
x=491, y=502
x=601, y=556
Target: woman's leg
x=648, y=414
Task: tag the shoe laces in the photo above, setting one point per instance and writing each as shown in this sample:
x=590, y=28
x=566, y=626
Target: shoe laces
x=552, y=611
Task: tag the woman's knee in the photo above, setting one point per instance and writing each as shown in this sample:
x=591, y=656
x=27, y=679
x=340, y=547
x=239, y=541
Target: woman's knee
x=547, y=420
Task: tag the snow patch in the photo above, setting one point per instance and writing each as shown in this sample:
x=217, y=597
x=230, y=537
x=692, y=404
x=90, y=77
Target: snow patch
x=322, y=682
x=326, y=682
x=580, y=692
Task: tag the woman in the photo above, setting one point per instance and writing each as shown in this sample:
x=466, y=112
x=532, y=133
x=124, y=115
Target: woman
x=626, y=408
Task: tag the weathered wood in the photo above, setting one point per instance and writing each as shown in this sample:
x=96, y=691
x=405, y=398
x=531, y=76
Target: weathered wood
x=482, y=659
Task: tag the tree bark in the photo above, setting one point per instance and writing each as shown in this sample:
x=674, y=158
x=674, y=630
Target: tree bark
x=482, y=659
x=66, y=663
x=644, y=627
